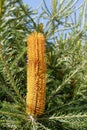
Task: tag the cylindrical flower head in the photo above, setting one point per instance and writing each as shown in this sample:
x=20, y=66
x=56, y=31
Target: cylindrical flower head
x=36, y=74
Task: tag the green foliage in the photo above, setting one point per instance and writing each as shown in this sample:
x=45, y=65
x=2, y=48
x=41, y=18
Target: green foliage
x=66, y=56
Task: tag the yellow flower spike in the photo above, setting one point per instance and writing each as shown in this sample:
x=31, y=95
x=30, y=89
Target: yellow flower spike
x=36, y=74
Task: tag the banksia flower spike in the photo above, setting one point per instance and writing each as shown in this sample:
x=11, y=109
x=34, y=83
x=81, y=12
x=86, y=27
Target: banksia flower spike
x=36, y=71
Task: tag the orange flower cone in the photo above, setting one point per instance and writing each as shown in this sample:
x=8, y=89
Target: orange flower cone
x=36, y=74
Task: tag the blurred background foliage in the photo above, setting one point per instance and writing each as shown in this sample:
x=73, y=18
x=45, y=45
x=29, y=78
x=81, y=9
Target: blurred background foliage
x=66, y=58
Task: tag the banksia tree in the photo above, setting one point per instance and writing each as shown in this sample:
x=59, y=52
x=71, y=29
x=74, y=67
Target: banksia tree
x=36, y=70
x=65, y=30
